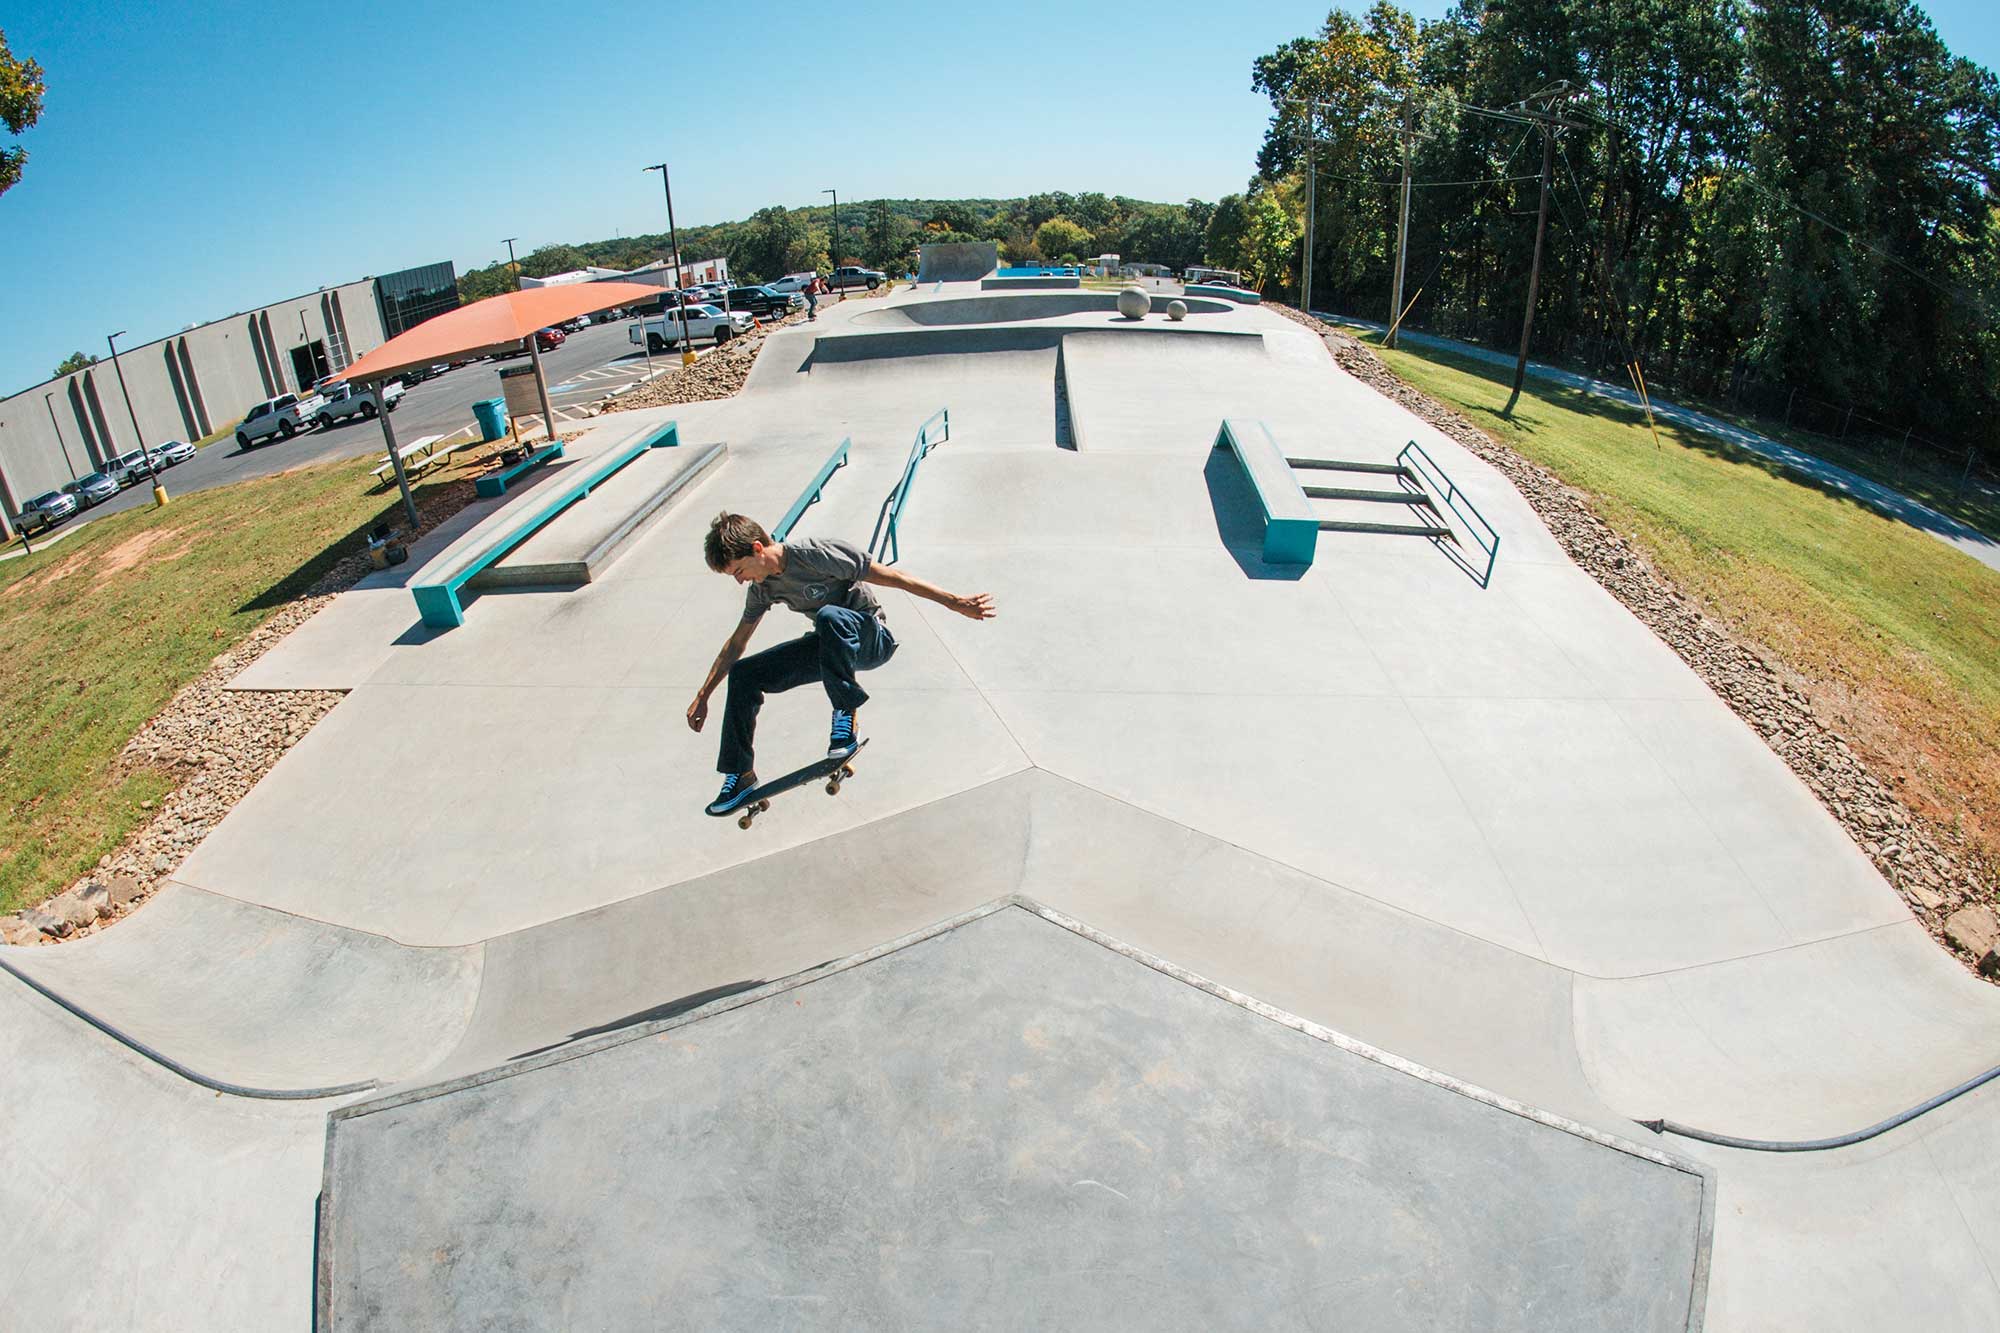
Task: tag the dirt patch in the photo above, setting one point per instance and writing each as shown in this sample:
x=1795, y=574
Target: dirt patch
x=1855, y=749
x=154, y=546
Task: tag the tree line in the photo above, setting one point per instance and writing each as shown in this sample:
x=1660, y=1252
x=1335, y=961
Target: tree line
x=1761, y=200
x=1054, y=227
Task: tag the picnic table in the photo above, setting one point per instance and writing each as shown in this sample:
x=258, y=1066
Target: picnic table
x=424, y=453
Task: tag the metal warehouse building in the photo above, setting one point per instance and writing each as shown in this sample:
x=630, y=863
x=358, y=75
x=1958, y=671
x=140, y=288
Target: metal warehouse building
x=204, y=378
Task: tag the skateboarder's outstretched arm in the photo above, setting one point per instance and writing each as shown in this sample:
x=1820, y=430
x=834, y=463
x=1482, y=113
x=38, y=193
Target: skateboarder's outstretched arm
x=698, y=710
x=976, y=606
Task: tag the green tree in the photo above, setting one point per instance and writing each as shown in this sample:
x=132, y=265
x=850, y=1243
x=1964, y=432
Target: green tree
x=548, y=260
x=74, y=362
x=809, y=249
x=1060, y=236
x=21, y=91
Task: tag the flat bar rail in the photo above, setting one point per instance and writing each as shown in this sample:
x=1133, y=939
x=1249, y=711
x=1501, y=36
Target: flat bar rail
x=887, y=520
x=810, y=495
x=1434, y=479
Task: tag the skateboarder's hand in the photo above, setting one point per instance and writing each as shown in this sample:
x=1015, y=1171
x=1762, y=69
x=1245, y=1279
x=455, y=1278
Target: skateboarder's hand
x=979, y=606
x=697, y=712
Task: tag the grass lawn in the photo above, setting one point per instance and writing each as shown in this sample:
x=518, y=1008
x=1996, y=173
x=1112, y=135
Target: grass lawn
x=1897, y=634
x=98, y=632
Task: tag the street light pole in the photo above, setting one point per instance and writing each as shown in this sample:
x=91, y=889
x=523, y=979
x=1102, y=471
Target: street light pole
x=674, y=239
x=513, y=267
x=836, y=234
x=159, y=491
x=48, y=401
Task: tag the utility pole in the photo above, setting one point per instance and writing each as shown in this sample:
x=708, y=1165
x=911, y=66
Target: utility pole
x=1403, y=227
x=836, y=235
x=1312, y=202
x=512, y=267
x=1545, y=118
x=674, y=239
x=152, y=472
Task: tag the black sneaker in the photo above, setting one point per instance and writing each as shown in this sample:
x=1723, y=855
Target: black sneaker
x=841, y=743
x=735, y=787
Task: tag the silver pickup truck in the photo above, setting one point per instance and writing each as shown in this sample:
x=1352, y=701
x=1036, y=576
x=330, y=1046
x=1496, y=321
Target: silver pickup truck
x=339, y=401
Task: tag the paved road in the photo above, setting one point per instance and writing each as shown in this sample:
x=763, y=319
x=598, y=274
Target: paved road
x=582, y=370
x=1895, y=504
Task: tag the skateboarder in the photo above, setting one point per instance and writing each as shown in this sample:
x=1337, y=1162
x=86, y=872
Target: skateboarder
x=827, y=581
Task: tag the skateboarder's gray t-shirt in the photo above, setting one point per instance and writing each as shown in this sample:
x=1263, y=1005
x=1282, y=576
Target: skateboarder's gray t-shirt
x=816, y=574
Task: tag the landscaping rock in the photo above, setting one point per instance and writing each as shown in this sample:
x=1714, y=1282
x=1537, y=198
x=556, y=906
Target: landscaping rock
x=1973, y=930
x=16, y=931
x=122, y=890
x=48, y=924
x=71, y=910
x=94, y=897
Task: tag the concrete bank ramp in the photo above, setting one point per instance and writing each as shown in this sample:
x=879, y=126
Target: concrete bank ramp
x=957, y=261
x=1010, y=1121
x=251, y=1000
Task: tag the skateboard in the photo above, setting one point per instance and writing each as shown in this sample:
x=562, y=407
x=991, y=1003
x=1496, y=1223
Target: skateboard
x=835, y=771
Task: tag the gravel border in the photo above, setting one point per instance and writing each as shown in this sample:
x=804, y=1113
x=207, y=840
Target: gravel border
x=221, y=742
x=1947, y=883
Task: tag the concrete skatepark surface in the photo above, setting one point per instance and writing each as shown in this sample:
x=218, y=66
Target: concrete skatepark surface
x=998, y=1124
x=1503, y=832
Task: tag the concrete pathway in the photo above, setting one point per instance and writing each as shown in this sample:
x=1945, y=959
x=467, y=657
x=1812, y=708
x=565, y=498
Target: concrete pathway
x=1500, y=831
x=1960, y=536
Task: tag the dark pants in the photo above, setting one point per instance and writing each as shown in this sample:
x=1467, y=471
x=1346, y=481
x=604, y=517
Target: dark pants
x=841, y=643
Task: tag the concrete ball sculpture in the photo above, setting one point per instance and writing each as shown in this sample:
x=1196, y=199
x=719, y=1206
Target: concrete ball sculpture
x=1177, y=310
x=1134, y=303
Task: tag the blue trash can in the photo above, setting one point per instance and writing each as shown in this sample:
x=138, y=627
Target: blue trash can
x=491, y=414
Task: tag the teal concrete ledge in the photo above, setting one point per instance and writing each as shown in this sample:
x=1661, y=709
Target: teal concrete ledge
x=496, y=483
x=438, y=601
x=1291, y=530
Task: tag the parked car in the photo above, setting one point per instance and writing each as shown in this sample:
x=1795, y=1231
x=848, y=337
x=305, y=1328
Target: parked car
x=703, y=321
x=793, y=282
x=340, y=401
x=132, y=467
x=849, y=275
x=283, y=416
x=94, y=489
x=174, y=451
x=46, y=510
x=577, y=325
x=765, y=303
x=550, y=339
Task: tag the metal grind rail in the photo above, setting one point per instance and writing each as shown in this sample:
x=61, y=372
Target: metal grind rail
x=1434, y=480
x=810, y=495
x=883, y=540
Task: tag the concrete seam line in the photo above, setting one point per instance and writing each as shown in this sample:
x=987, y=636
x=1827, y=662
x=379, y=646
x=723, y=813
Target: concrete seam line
x=169, y=1063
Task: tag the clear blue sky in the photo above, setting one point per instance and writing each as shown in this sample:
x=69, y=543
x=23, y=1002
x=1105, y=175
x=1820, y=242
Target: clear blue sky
x=199, y=159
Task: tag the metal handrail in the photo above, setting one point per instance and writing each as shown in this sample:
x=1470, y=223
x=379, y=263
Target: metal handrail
x=810, y=495
x=1427, y=469
x=891, y=514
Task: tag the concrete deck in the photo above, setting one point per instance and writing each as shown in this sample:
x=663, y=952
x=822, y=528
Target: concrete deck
x=1003, y=1123
x=1503, y=832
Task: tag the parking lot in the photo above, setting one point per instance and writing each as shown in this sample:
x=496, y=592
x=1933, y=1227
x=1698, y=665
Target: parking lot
x=584, y=369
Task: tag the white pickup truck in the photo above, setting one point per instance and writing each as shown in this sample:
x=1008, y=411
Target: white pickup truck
x=703, y=321
x=283, y=416
x=339, y=401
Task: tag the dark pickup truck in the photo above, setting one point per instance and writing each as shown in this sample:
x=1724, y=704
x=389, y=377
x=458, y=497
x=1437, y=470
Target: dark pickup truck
x=765, y=303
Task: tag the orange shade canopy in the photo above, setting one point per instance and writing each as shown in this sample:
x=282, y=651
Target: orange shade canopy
x=497, y=321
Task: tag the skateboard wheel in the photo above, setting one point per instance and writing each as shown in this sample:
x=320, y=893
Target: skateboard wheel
x=743, y=822
x=762, y=806
x=847, y=772
x=833, y=787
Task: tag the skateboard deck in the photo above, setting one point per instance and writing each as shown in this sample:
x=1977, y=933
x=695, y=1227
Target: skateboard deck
x=835, y=771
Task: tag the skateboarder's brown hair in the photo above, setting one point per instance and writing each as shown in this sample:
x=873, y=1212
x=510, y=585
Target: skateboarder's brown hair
x=730, y=538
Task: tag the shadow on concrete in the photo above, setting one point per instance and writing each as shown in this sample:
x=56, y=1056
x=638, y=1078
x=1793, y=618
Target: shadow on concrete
x=1238, y=520
x=671, y=1009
